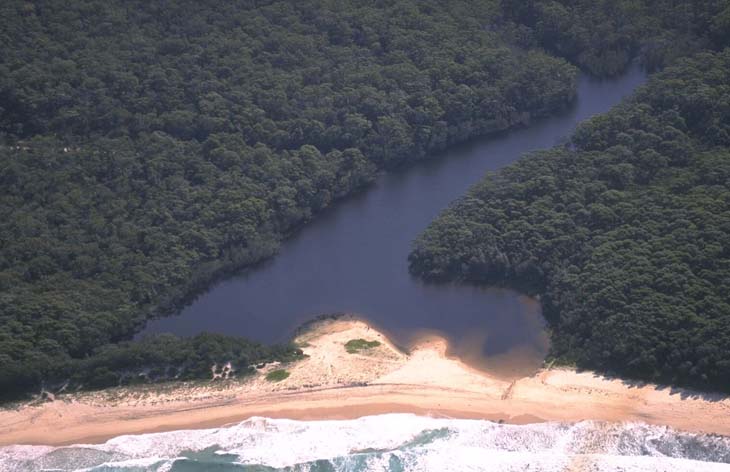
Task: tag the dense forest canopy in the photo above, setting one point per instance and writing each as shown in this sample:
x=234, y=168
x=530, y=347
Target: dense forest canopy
x=603, y=36
x=147, y=147
x=625, y=232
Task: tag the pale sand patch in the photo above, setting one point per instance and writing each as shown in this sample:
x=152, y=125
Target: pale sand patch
x=333, y=384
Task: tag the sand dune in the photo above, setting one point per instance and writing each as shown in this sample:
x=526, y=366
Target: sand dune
x=334, y=384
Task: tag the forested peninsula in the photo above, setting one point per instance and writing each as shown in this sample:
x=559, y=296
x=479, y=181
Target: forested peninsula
x=624, y=232
x=148, y=148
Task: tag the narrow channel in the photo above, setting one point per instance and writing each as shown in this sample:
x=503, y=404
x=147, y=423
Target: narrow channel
x=353, y=258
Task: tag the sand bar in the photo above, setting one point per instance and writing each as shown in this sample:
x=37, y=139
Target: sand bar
x=334, y=384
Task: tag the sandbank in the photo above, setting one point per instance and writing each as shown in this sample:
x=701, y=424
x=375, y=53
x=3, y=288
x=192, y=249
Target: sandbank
x=333, y=384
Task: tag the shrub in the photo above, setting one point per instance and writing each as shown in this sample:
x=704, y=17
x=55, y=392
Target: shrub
x=277, y=375
x=355, y=345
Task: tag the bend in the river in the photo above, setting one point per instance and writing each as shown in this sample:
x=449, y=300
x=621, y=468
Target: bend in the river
x=353, y=257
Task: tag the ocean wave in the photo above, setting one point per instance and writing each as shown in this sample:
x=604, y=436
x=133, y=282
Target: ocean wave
x=393, y=442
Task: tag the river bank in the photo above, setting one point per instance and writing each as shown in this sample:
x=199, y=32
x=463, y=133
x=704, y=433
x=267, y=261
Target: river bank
x=353, y=257
x=332, y=383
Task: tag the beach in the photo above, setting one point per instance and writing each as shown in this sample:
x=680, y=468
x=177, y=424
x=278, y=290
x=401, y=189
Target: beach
x=332, y=383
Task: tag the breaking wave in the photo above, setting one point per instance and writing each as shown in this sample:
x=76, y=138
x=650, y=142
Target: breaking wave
x=393, y=442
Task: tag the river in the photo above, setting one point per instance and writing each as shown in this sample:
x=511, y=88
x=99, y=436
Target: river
x=353, y=258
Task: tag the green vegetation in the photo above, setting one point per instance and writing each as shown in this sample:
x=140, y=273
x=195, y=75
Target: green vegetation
x=148, y=148
x=152, y=359
x=603, y=36
x=277, y=375
x=624, y=232
x=355, y=345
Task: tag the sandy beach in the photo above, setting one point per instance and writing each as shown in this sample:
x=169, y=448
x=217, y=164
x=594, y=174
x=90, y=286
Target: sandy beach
x=332, y=383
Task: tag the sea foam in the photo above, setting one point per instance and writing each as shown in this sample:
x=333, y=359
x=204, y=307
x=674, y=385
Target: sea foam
x=393, y=442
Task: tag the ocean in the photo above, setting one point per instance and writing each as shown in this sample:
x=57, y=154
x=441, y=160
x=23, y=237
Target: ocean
x=392, y=442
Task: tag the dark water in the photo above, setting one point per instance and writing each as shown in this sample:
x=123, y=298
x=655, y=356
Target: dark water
x=353, y=257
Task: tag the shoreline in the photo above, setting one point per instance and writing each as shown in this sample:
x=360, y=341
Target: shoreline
x=223, y=416
x=333, y=384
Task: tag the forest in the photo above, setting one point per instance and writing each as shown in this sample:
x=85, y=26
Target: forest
x=149, y=148
x=603, y=36
x=624, y=232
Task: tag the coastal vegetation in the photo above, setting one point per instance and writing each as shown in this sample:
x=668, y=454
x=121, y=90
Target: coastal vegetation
x=148, y=148
x=277, y=375
x=152, y=359
x=624, y=232
x=356, y=345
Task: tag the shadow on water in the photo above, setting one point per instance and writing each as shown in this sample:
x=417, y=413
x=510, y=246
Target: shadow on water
x=353, y=258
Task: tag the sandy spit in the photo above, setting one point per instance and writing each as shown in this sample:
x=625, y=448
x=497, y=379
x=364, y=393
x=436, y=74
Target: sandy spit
x=334, y=384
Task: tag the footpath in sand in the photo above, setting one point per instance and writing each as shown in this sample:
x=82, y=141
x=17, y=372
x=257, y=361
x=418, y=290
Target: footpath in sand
x=334, y=384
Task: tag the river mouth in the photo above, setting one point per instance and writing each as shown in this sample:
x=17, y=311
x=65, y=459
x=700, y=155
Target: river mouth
x=352, y=258
x=490, y=353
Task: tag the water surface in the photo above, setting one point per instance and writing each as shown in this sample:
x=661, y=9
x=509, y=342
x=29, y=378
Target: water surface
x=353, y=257
x=393, y=442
